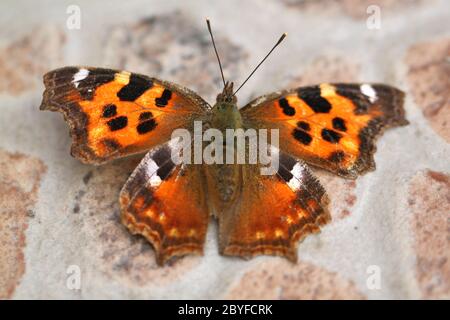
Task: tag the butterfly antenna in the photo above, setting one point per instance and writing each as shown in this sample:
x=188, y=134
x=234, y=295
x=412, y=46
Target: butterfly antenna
x=273, y=48
x=215, y=49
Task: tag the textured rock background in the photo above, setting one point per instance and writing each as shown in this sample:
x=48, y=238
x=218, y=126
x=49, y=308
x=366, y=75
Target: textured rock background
x=56, y=212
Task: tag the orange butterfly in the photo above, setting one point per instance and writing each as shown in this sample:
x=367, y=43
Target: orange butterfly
x=113, y=114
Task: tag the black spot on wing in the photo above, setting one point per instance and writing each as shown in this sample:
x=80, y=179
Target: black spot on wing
x=302, y=136
x=135, y=88
x=287, y=163
x=303, y=125
x=163, y=160
x=312, y=97
x=287, y=109
x=146, y=126
x=110, y=110
x=285, y=174
x=145, y=116
x=164, y=171
x=331, y=135
x=118, y=123
x=164, y=99
x=147, y=123
x=161, y=155
x=339, y=124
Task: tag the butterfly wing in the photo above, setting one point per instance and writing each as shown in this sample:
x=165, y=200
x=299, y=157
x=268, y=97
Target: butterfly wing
x=166, y=203
x=117, y=113
x=275, y=211
x=332, y=126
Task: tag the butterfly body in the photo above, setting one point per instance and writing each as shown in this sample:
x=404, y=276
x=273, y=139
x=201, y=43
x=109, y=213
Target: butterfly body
x=224, y=180
x=112, y=114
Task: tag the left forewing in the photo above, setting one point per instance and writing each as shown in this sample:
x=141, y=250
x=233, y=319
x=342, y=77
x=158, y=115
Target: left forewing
x=114, y=113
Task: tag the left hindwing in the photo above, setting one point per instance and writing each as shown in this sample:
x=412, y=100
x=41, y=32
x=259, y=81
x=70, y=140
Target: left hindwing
x=332, y=126
x=166, y=203
x=114, y=113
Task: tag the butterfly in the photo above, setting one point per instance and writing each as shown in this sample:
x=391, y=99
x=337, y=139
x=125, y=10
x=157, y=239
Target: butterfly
x=113, y=114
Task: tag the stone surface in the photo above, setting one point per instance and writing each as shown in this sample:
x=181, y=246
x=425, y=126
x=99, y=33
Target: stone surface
x=20, y=177
x=171, y=46
x=57, y=213
x=355, y=9
x=282, y=280
x=429, y=201
x=429, y=80
x=25, y=59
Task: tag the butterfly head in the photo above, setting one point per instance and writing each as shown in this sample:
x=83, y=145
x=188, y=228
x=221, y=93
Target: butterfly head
x=227, y=96
x=225, y=113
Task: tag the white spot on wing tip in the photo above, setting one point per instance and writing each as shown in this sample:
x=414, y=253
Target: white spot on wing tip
x=368, y=91
x=79, y=76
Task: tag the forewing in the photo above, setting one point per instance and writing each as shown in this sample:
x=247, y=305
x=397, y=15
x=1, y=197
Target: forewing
x=113, y=113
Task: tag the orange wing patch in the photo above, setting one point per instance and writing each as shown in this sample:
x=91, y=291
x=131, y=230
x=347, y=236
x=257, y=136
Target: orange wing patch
x=332, y=126
x=114, y=114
